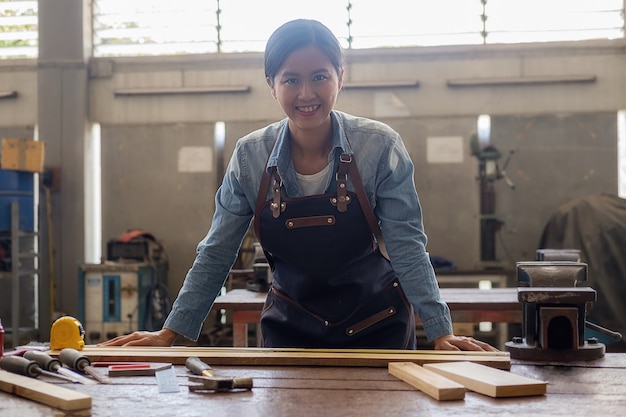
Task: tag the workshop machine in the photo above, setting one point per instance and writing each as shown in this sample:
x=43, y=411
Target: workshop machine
x=126, y=293
x=554, y=305
x=489, y=171
x=262, y=276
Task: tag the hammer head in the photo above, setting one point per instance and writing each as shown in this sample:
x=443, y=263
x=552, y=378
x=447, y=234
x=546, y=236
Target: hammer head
x=220, y=383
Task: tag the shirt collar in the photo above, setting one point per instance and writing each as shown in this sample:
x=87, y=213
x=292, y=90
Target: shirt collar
x=281, y=151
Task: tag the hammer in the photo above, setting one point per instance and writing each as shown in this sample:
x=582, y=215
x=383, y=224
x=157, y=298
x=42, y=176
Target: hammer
x=212, y=382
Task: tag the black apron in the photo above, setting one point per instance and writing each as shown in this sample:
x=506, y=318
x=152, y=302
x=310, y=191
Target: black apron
x=331, y=288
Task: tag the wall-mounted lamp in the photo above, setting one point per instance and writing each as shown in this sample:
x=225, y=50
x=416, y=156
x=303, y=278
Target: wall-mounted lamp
x=8, y=94
x=181, y=90
x=380, y=84
x=521, y=81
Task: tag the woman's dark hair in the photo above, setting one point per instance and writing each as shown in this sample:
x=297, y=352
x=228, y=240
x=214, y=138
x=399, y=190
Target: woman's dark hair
x=298, y=34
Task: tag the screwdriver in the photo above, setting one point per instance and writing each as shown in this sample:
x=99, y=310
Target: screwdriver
x=75, y=360
x=23, y=366
x=51, y=364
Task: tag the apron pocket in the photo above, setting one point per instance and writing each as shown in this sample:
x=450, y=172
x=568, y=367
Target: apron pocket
x=370, y=321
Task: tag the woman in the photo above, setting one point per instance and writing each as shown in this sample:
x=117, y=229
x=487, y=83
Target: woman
x=337, y=214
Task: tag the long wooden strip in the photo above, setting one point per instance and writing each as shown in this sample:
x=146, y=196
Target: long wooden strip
x=43, y=392
x=489, y=381
x=296, y=357
x=429, y=382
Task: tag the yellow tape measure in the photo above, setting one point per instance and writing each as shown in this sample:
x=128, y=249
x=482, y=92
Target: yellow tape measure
x=67, y=332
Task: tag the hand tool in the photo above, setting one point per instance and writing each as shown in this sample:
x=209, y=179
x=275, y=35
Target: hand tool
x=67, y=332
x=209, y=379
x=73, y=358
x=554, y=308
x=51, y=364
x=23, y=366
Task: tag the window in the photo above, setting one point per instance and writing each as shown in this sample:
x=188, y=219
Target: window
x=565, y=20
x=154, y=27
x=411, y=23
x=189, y=26
x=165, y=27
x=18, y=29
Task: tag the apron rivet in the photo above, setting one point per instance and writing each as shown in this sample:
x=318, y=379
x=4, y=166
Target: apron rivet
x=326, y=323
x=350, y=331
x=274, y=206
x=342, y=185
x=330, y=220
x=290, y=224
x=333, y=200
x=395, y=284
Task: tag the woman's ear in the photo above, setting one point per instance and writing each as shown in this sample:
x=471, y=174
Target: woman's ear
x=341, y=79
x=269, y=82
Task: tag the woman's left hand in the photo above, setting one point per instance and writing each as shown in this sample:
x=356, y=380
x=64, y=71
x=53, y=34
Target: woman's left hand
x=452, y=342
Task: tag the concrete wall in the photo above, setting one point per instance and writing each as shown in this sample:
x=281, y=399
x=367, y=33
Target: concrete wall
x=554, y=105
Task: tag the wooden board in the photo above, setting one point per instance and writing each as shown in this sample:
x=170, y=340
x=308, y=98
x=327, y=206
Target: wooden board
x=427, y=381
x=43, y=392
x=284, y=357
x=489, y=381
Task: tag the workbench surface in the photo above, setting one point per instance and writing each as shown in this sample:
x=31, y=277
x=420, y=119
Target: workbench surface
x=575, y=389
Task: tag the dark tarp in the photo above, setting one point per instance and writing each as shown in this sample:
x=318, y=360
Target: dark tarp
x=596, y=225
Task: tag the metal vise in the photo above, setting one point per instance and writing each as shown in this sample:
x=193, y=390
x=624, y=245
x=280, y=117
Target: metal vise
x=554, y=313
x=262, y=273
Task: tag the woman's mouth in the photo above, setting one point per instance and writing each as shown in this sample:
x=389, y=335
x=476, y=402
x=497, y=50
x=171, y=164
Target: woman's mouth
x=307, y=109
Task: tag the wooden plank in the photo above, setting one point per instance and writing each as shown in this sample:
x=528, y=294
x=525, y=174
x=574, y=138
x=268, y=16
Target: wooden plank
x=43, y=392
x=289, y=357
x=427, y=381
x=499, y=299
x=489, y=381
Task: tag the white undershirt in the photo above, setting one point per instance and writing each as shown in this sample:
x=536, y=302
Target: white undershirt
x=315, y=183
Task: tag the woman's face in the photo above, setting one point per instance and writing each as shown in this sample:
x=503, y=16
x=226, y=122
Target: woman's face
x=306, y=87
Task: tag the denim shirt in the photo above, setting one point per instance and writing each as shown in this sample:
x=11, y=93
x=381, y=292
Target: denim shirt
x=387, y=173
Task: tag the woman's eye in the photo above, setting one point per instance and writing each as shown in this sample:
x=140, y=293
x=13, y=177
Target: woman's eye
x=319, y=77
x=291, y=81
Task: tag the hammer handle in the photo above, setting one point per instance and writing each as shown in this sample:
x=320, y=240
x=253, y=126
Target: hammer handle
x=195, y=365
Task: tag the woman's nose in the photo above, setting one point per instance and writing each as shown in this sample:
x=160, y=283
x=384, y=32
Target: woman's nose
x=306, y=91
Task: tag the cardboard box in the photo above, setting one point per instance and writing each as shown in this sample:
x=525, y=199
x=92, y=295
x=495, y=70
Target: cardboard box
x=22, y=155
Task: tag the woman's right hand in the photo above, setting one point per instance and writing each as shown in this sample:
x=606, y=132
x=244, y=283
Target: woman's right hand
x=163, y=337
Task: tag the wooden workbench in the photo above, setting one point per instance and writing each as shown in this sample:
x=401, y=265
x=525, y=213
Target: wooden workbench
x=468, y=305
x=575, y=389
